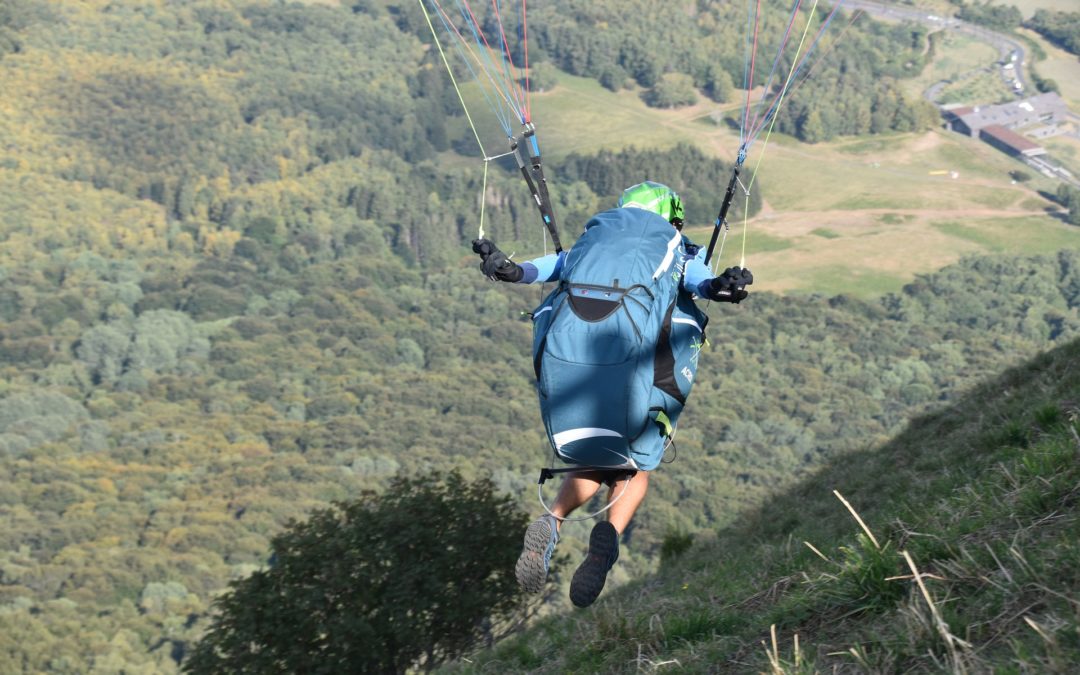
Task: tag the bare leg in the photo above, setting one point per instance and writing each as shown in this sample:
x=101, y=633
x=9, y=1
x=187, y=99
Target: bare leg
x=629, y=492
x=576, y=489
x=580, y=487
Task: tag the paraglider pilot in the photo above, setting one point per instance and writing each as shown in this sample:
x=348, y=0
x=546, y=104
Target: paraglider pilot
x=613, y=303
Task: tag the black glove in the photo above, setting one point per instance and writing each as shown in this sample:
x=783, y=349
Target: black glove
x=731, y=285
x=494, y=263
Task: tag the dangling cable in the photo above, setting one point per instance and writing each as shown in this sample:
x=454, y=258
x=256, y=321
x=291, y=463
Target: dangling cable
x=525, y=43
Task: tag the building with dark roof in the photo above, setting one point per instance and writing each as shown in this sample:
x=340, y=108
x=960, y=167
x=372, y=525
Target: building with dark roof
x=1010, y=142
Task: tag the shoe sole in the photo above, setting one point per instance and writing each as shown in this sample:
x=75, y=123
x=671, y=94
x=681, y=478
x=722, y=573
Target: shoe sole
x=530, y=571
x=591, y=575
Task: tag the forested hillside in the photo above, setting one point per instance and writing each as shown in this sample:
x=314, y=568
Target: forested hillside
x=234, y=286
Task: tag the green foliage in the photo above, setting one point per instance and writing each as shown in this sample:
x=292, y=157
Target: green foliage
x=671, y=54
x=998, y=17
x=1061, y=28
x=672, y=90
x=31, y=418
x=675, y=543
x=1069, y=197
x=157, y=341
x=373, y=585
x=543, y=76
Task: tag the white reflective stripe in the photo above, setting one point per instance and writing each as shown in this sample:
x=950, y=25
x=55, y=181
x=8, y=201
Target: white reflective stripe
x=689, y=322
x=571, y=435
x=669, y=257
x=548, y=309
x=628, y=464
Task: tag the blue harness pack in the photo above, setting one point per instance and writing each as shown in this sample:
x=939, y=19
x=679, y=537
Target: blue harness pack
x=615, y=345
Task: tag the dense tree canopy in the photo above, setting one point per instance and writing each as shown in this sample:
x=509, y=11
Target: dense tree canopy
x=997, y=16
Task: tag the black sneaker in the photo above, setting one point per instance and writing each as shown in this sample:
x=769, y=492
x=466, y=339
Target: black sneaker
x=532, y=566
x=590, y=576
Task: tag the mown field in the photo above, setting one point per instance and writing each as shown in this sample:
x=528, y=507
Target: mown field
x=1060, y=66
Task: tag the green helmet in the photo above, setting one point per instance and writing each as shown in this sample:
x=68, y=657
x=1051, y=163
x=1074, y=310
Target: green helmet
x=660, y=199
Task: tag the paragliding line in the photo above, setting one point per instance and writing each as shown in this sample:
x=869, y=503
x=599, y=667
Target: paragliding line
x=463, y=47
x=510, y=60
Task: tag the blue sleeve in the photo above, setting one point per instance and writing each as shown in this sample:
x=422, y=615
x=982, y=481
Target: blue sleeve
x=542, y=270
x=697, y=274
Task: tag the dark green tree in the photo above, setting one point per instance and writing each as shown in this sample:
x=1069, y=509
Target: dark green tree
x=1061, y=28
x=413, y=576
x=672, y=91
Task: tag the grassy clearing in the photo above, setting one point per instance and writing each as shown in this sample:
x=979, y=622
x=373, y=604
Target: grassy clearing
x=871, y=254
x=587, y=117
x=898, y=172
x=1034, y=235
x=1059, y=65
x=952, y=548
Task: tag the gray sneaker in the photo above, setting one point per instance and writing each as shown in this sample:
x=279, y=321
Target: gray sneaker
x=590, y=576
x=532, y=566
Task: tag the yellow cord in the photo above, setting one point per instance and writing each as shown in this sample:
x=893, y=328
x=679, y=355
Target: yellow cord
x=745, y=227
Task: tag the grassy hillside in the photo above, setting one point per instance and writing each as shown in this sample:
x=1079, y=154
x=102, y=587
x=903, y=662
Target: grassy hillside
x=960, y=552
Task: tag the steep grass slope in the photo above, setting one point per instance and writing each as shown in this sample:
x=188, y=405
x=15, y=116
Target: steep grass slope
x=966, y=559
